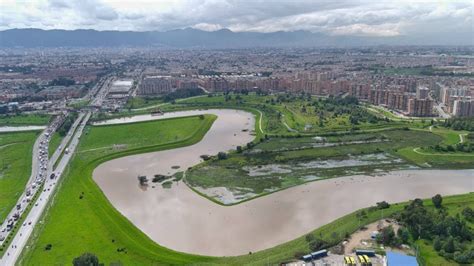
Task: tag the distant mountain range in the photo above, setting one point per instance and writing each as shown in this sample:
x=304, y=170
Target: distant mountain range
x=193, y=38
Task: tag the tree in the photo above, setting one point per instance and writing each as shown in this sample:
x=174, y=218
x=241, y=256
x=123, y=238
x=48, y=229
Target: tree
x=468, y=213
x=449, y=245
x=437, y=244
x=403, y=234
x=314, y=243
x=222, y=155
x=86, y=259
x=387, y=236
x=143, y=180
x=239, y=149
x=383, y=205
x=437, y=200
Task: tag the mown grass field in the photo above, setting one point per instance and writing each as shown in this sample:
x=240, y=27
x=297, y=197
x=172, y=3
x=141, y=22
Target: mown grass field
x=15, y=167
x=24, y=119
x=140, y=134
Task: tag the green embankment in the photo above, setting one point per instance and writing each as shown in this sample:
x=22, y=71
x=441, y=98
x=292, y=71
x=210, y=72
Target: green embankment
x=24, y=119
x=141, y=102
x=73, y=225
x=54, y=143
x=15, y=167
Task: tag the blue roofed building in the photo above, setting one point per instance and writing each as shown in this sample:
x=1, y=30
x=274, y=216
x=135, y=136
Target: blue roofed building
x=399, y=259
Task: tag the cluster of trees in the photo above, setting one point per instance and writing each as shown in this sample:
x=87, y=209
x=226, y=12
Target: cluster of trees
x=29, y=98
x=468, y=214
x=451, y=235
x=349, y=100
x=346, y=106
x=462, y=147
x=182, y=93
x=222, y=155
x=237, y=95
x=67, y=124
x=62, y=81
x=86, y=259
x=465, y=123
x=388, y=237
x=4, y=109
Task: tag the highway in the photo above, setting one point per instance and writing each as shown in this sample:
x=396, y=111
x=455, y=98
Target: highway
x=40, y=155
x=65, y=140
x=38, y=173
x=18, y=243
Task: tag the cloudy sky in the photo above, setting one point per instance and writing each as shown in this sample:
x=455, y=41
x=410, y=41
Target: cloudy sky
x=334, y=17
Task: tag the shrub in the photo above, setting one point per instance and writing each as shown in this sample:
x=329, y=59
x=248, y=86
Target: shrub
x=222, y=155
x=86, y=259
x=468, y=213
x=437, y=200
x=383, y=205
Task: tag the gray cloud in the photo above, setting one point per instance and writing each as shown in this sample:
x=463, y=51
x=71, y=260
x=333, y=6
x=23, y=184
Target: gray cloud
x=341, y=17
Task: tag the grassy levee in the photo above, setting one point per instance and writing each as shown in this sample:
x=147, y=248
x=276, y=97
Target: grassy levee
x=24, y=119
x=74, y=226
x=142, y=102
x=15, y=167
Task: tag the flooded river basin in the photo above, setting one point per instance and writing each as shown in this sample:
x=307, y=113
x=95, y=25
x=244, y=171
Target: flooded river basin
x=182, y=220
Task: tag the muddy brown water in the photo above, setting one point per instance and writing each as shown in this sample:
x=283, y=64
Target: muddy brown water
x=182, y=220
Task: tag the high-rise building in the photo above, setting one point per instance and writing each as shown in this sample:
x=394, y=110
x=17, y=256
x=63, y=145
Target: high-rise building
x=419, y=107
x=463, y=108
x=153, y=85
x=422, y=93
